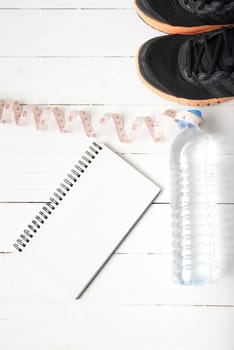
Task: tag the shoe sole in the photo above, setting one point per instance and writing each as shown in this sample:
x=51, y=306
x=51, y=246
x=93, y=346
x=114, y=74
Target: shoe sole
x=167, y=28
x=183, y=101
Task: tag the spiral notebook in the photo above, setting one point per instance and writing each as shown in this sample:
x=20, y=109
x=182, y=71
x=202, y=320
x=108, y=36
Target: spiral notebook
x=87, y=217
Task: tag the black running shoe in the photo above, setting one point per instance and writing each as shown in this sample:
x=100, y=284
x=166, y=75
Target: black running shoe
x=195, y=69
x=186, y=16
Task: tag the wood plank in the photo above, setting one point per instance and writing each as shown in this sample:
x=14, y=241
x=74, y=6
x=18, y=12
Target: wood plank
x=30, y=315
x=76, y=38
x=65, y=4
x=60, y=327
x=139, y=273
x=92, y=81
x=73, y=81
x=128, y=279
x=106, y=4
x=152, y=235
x=146, y=279
x=35, y=152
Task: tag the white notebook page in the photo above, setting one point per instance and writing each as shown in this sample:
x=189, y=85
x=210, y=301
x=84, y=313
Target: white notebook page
x=89, y=223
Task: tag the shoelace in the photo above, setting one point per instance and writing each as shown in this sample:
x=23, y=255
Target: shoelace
x=203, y=3
x=206, y=58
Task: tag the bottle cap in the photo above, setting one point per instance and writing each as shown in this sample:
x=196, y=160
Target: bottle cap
x=196, y=112
x=189, y=124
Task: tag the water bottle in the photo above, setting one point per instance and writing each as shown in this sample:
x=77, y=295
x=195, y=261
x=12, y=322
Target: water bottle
x=193, y=205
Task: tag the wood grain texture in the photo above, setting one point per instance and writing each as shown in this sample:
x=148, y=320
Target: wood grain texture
x=86, y=327
x=152, y=235
x=139, y=272
x=66, y=4
x=36, y=180
x=80, y=54
x=78, y=37
x=88, y=81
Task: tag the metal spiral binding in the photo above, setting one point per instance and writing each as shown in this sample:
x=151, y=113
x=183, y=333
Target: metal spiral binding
x=61, y=192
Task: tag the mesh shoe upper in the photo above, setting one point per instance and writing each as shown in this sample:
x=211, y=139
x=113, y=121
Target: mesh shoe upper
x=163, y=60
x=189, y=13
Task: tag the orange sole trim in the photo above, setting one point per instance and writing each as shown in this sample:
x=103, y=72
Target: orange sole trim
x=167, y=28
x=184, y=101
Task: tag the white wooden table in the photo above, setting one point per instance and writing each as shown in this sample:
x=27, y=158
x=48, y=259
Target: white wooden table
x=81, y=53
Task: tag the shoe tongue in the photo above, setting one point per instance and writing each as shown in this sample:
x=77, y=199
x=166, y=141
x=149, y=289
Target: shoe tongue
x=224, y=62
x=212, y=42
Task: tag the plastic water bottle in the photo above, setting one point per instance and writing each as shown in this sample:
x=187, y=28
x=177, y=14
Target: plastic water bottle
x=193, y=205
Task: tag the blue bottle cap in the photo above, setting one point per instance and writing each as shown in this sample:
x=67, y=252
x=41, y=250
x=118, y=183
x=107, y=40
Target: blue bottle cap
x=196, y=112
x=183, y=124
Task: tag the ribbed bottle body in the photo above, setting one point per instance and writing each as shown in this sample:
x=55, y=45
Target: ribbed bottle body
x=194, y=208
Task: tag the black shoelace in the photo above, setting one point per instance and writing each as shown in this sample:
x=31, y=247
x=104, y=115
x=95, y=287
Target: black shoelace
x=211, y=54
x=203, y=3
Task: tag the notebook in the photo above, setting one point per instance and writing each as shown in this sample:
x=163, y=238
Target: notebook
x=85, y=220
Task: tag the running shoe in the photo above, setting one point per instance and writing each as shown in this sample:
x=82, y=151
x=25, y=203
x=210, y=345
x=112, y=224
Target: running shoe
x=190, y=69
x=186, y=16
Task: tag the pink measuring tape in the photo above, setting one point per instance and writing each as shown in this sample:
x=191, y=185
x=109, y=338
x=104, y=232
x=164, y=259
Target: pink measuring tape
x=22, y=113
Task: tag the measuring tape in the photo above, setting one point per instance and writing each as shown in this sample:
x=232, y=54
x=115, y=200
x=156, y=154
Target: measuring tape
x=22, y=113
